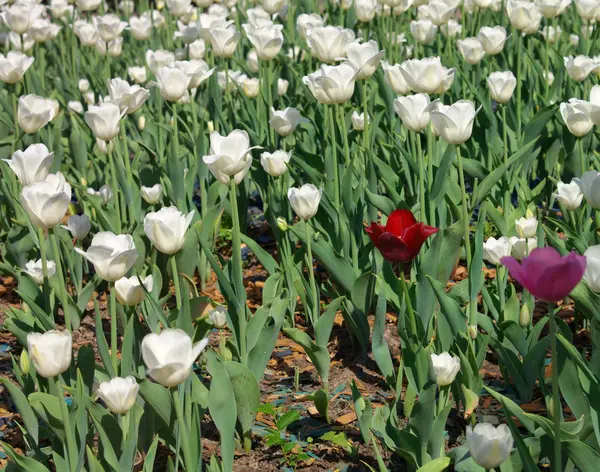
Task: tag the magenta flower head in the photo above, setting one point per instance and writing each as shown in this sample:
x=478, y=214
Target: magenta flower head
x=546, y=274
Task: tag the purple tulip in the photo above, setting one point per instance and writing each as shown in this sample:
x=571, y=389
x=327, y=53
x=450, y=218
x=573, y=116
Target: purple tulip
x=546, y=274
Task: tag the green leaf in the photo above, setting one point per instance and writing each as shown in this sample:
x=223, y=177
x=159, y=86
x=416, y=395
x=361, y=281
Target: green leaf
x=246, y=391
x=158, y=397
x=436, y=465
x=23, y=408
x=23, y=462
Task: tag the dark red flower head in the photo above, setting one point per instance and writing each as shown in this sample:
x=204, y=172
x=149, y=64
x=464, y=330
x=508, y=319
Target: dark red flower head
x=400, y=240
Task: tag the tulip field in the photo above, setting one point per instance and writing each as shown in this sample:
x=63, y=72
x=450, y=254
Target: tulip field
x=300, y=235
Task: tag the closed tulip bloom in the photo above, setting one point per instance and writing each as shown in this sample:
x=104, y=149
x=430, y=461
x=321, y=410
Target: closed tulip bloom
x=358, y=121
x=224, y=40
x=197, y=70
x=546, y=274
x=267, y=41
x=170, y=355
x=552, y=8
x=413, y=110
x=445, y=368
x=454, y=123
x=252, y=61
x=34, y=112
x=394, y=78
x=588, y=9
x=593, y=105
x=423, y=31
x=489, y=446
x=34, y=270
x=569, y=195
x=50, y=352
x=524, y=15
x=60, y=8
x=20, y=16
x=137, y=74
x=425, y=75
x=151, y=195
x=197, y=49
x=188, y=33
x=87, y=5
x=46, y=202
x=437, y=12
x=208, y=22
x=451, y=29
x=159, y=58
x=273, y=6
x=282, y=87
x=109, y=26
x=178, y=7
x=366, y=10
x=400, y=240
x=286, y=121
x=172, y=82
x=521, y=247
x=105, y=194
x=590, y=187
x=104, y=120
x=492, y=39
x=218, y=317
x=576, y=115
x=275, y=164
x=166, y=228
x=13, y=66
x=119, y=394
x=592, y=268
x=305, y=200
x=140, y=27
x=79, y=226
x=365, y=58
x=501, y=85
x=551, y=34
x=115, y=47
x=471, y=50
x=526, y=226
x=305, y=22
x=130, y=291
x=111, y=255
x=579, y=67
x=230, y=155
x=332, y=84
x=87, y=33
x=129, y=98
x=31, y=165
x=495, y=249
x=76, y=107
x=328, y=43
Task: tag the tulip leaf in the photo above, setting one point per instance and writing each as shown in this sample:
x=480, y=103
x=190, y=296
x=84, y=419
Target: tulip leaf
x=246, y=391
x=102, y=344
x=381, y=202
x=151, y=455
x=47, y=408
x=319, y=355
x=22, y=461
x=159, y=398
x=23, y=408
x=364, y=413
x=267, y=261
x=109, y=433
x=436, y=465
x=381, y=350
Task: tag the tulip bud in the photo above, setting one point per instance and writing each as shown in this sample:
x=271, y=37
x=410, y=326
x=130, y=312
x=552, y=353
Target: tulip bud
x=282, y=224
x=50, y=352
x=218, y=317
x=119, y=394
x=527, y=227
x=592, y=268
x=166, y=229
x=282, y=87
x=501, y=85
x=226, y=353
x=79, y=226
x=47, y=202
x=489, y=446
x=445, y=368
x=34, y=270
x=111, y=255
x=83, y=85
x=275, y=164
x=524, y=316
x=129, y=291
x=473, y=331
x=358, y=121
x=305, y=200
x=495, y=249
x=251, y=87
x=286, y=121
x=142, y=123
x=569, y=195
x=413, y=110
x=151, y=195
x=24, y=362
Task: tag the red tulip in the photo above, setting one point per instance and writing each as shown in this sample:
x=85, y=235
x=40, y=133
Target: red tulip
x=400, y=240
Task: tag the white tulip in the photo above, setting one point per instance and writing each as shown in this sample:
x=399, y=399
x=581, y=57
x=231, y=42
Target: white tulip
x=252, y=61
x=489, y=446
x=46, y=202
x=576, y=115
x=471, y=50
x=87, y=33
x=20, y=16
x=445, y=368
x=197, y=70
x=358, y=121
x=501, y=85
x=275, y=164
x=89, y=97
x=548, y=78
x=140, y=27
x=87, y=5
x=592, y=267
x=394, y=78
x=159, y=58
x=197, y=49
x=524, y=15
x=579, y=67
x=231, y=80
x=130, y=291
x=569, y=195
x=178, y=7
x=115, y=47
x=426, y=75
x=230, y=156
x=153, y=194
x=305, y=22
x=60, y=9
x=251, y=87
x=437, y=12
x=13, y=66
x=111, y=255
x=31, y=165
x=365, y=58
x=258, y=17
x=50, y=352
x=305, y=200
x=328, y=43
x=590, y=187
x=129, y=98
x=34, y=270
x=413, y=110
x=588, y=9
x=423, y=31
x=137, y=74
x=172, y=82
x=34, y=112
x=224, y=40
x=286, y=121
x=119, y=394
x=552, y=8
x=170, y=356
x=366, y=10
x=282, y=87
x=492, y=39
x=551, y=34
x=188, y=33
x=454, y=123
x=218, y=317
x=526, y=226
x=207, y=22
x=104, y=120
x=452, y=29
x=76, y=107
x=522, y=247
x=495, y=249
x=332, y=84
x=105, y=193
x=109, y=26
x=267, y=41
x=79, y=226
x=273, y=6
x=166, y=228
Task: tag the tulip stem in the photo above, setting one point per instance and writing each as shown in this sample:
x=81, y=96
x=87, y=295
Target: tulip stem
x=72, y=455
x=556, y=407
x=176, y=282
x=519, y=78
x=61, y=282
x=182, y=429
x=115, y=187
x=365, y=116
x=41, y=238
x=336, y=171
x=419, y=159
x=114, y=352
x=127, y=160
x=409, y=308
x=546, y=57
x=466, y=221
x=238, y=283
x=311, y=273
x=505, y=149
x=584, y=166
